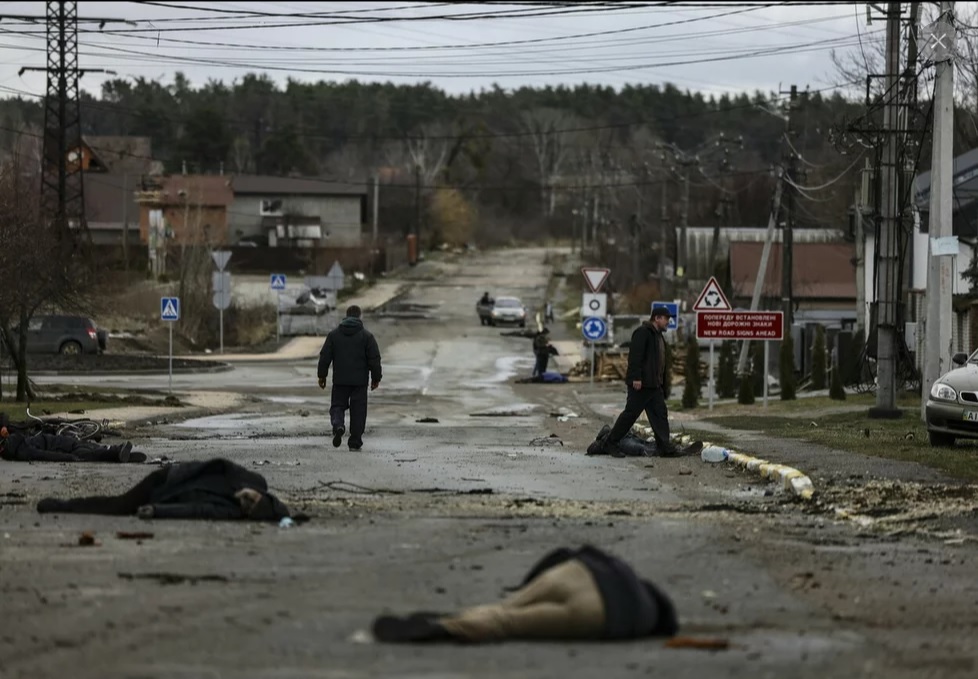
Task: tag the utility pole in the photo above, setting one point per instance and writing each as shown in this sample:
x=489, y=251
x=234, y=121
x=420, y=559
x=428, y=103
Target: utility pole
x=376, y=206
x=787, y=235
x=663, y=235
x=683, y=226
x=125, y=221
x=888, y=260
x=62, y=187
x=417, y=203
x=937, y=347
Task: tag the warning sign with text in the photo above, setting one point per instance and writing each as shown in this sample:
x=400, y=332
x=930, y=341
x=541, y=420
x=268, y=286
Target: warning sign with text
x=740, y=325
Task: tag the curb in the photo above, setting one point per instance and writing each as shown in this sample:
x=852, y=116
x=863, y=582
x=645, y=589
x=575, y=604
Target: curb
x=790, y=478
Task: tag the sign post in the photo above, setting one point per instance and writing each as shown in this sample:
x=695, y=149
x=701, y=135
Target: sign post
x=277, y=284
x=594, y=329
x=711, y=299
x=170, y=312
x=222, y=286
x=767, y=362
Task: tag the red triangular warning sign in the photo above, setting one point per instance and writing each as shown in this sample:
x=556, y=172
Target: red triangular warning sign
x=712, y=298
x=595, y=277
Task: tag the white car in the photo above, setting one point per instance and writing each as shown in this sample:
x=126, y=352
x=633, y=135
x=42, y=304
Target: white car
x=508, y=310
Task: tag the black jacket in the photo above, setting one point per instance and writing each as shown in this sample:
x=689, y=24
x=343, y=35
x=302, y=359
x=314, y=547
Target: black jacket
x=22, y=448
x=633, y=607
x=646, y=357
x=353, y=353
x=205, y=490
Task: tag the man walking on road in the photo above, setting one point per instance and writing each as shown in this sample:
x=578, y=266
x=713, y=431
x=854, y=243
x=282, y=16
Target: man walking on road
x=644, y=379
x=355, y=357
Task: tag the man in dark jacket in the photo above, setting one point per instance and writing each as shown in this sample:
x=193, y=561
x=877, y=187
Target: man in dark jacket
x=569, y=594
x=355, y=357
x=542, y=351
x=644, y=380
x=210, y=489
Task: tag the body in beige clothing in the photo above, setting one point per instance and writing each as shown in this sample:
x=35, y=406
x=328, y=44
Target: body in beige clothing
x=561, y=603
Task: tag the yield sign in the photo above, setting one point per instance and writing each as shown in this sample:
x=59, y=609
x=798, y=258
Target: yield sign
x=712, y=298
x=595, y=277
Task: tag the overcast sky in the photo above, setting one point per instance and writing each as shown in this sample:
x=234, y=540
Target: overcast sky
x=699, y=49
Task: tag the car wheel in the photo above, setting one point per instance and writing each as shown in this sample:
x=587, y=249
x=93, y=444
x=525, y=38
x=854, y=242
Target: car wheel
x=492, y=323
x=940, y=440
x=522, y=324
x=70, y=348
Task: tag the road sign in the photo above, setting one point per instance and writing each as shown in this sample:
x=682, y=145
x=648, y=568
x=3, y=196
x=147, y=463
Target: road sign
x=221, y=280
x=335, y=277
x=277, y=281
x=595, y=304
x=222, y=299
x=221, y=258
x=673, y=308
x=740, y=325
x=595, y=277
x=712, y=298
x=594, y=329
x=169, y=308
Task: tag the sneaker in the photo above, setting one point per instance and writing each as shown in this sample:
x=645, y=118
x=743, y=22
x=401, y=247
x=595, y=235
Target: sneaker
x=137, y=457
x=338, y=436
x=356, y=446
x=125, y=451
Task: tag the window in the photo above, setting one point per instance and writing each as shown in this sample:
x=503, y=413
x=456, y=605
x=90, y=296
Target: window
x=270, y=208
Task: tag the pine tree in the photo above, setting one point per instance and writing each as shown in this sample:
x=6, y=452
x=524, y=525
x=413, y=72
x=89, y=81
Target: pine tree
x=726, y=381
x=850, y=363
x=691, y=393
x=757, y=368
x=787, y=373
x=818, y=359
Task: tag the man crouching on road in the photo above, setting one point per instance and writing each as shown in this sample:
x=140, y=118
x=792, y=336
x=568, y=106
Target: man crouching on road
x=644, y=379
x=355, y=356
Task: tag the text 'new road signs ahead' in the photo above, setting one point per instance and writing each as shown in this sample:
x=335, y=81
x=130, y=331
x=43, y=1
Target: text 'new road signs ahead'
x=740, y=325
x=169, y=308
x=594, y=329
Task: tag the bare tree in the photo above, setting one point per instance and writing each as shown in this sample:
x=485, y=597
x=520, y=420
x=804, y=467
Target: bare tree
x=550, y=142
x=37, y=265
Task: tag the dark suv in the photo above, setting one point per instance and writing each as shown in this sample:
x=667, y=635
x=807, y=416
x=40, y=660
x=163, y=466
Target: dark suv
x=59, y=334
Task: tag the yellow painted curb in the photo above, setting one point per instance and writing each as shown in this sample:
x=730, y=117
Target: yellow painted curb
x=791, y=479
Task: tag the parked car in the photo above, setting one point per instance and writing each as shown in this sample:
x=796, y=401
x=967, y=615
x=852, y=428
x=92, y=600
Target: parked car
x=952, y=405
x=64, y=334
x=508, y=310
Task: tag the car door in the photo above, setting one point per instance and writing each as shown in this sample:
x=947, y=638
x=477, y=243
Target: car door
x=36, y=334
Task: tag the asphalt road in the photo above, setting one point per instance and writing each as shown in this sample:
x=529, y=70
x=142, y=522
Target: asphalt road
x=409, y=523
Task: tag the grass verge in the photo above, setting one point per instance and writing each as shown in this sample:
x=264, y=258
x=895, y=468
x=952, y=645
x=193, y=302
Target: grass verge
x=17, y=411
x=904, y=439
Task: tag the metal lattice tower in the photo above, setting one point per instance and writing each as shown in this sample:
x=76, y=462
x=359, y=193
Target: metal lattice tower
x=62, y=183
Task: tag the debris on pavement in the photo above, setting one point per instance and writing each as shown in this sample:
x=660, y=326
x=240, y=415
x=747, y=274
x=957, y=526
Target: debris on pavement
x=125, y=535
x=87, y=539
x=427, y=420
x=173, y=578
x=552, y=440
x=699, y=644
x=286, y=522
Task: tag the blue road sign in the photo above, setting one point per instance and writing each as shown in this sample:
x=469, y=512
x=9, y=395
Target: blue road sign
x=673, y=308
x=170, y=308
x=278, y=281
x=594, y=328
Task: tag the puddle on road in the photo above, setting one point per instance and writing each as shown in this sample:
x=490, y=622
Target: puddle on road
x=290, y=399
x=221, y=421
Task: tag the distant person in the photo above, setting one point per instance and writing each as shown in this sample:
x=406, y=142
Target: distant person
x=355, y=357
x=486, y=299
x=542, y=351
x=548, y=313
x=18, y=447
x=644, y=380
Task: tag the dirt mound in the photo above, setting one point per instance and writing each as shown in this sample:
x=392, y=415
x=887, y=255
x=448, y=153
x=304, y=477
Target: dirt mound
x=112, y=363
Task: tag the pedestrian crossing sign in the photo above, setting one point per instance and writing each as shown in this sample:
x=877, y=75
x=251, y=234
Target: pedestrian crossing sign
x=278, y=281
x=170, y=308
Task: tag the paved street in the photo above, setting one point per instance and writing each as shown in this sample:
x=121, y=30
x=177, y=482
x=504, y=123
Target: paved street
x=439, y=515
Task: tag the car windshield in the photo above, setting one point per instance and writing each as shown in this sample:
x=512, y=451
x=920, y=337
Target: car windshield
x=508, y=303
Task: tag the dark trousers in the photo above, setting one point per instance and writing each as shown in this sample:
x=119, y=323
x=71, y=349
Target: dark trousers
x=543, y=358
x=354, y=399
x=53, y=448
x=653, y=402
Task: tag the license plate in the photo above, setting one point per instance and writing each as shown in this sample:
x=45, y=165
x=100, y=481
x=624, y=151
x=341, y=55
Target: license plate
x=971, y=416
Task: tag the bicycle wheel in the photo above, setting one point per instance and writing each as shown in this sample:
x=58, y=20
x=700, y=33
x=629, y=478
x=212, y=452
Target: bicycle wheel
x=82, y=429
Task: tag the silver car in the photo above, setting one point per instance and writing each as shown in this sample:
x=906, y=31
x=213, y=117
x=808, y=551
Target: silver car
x=508, y=310
x=952, y=407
